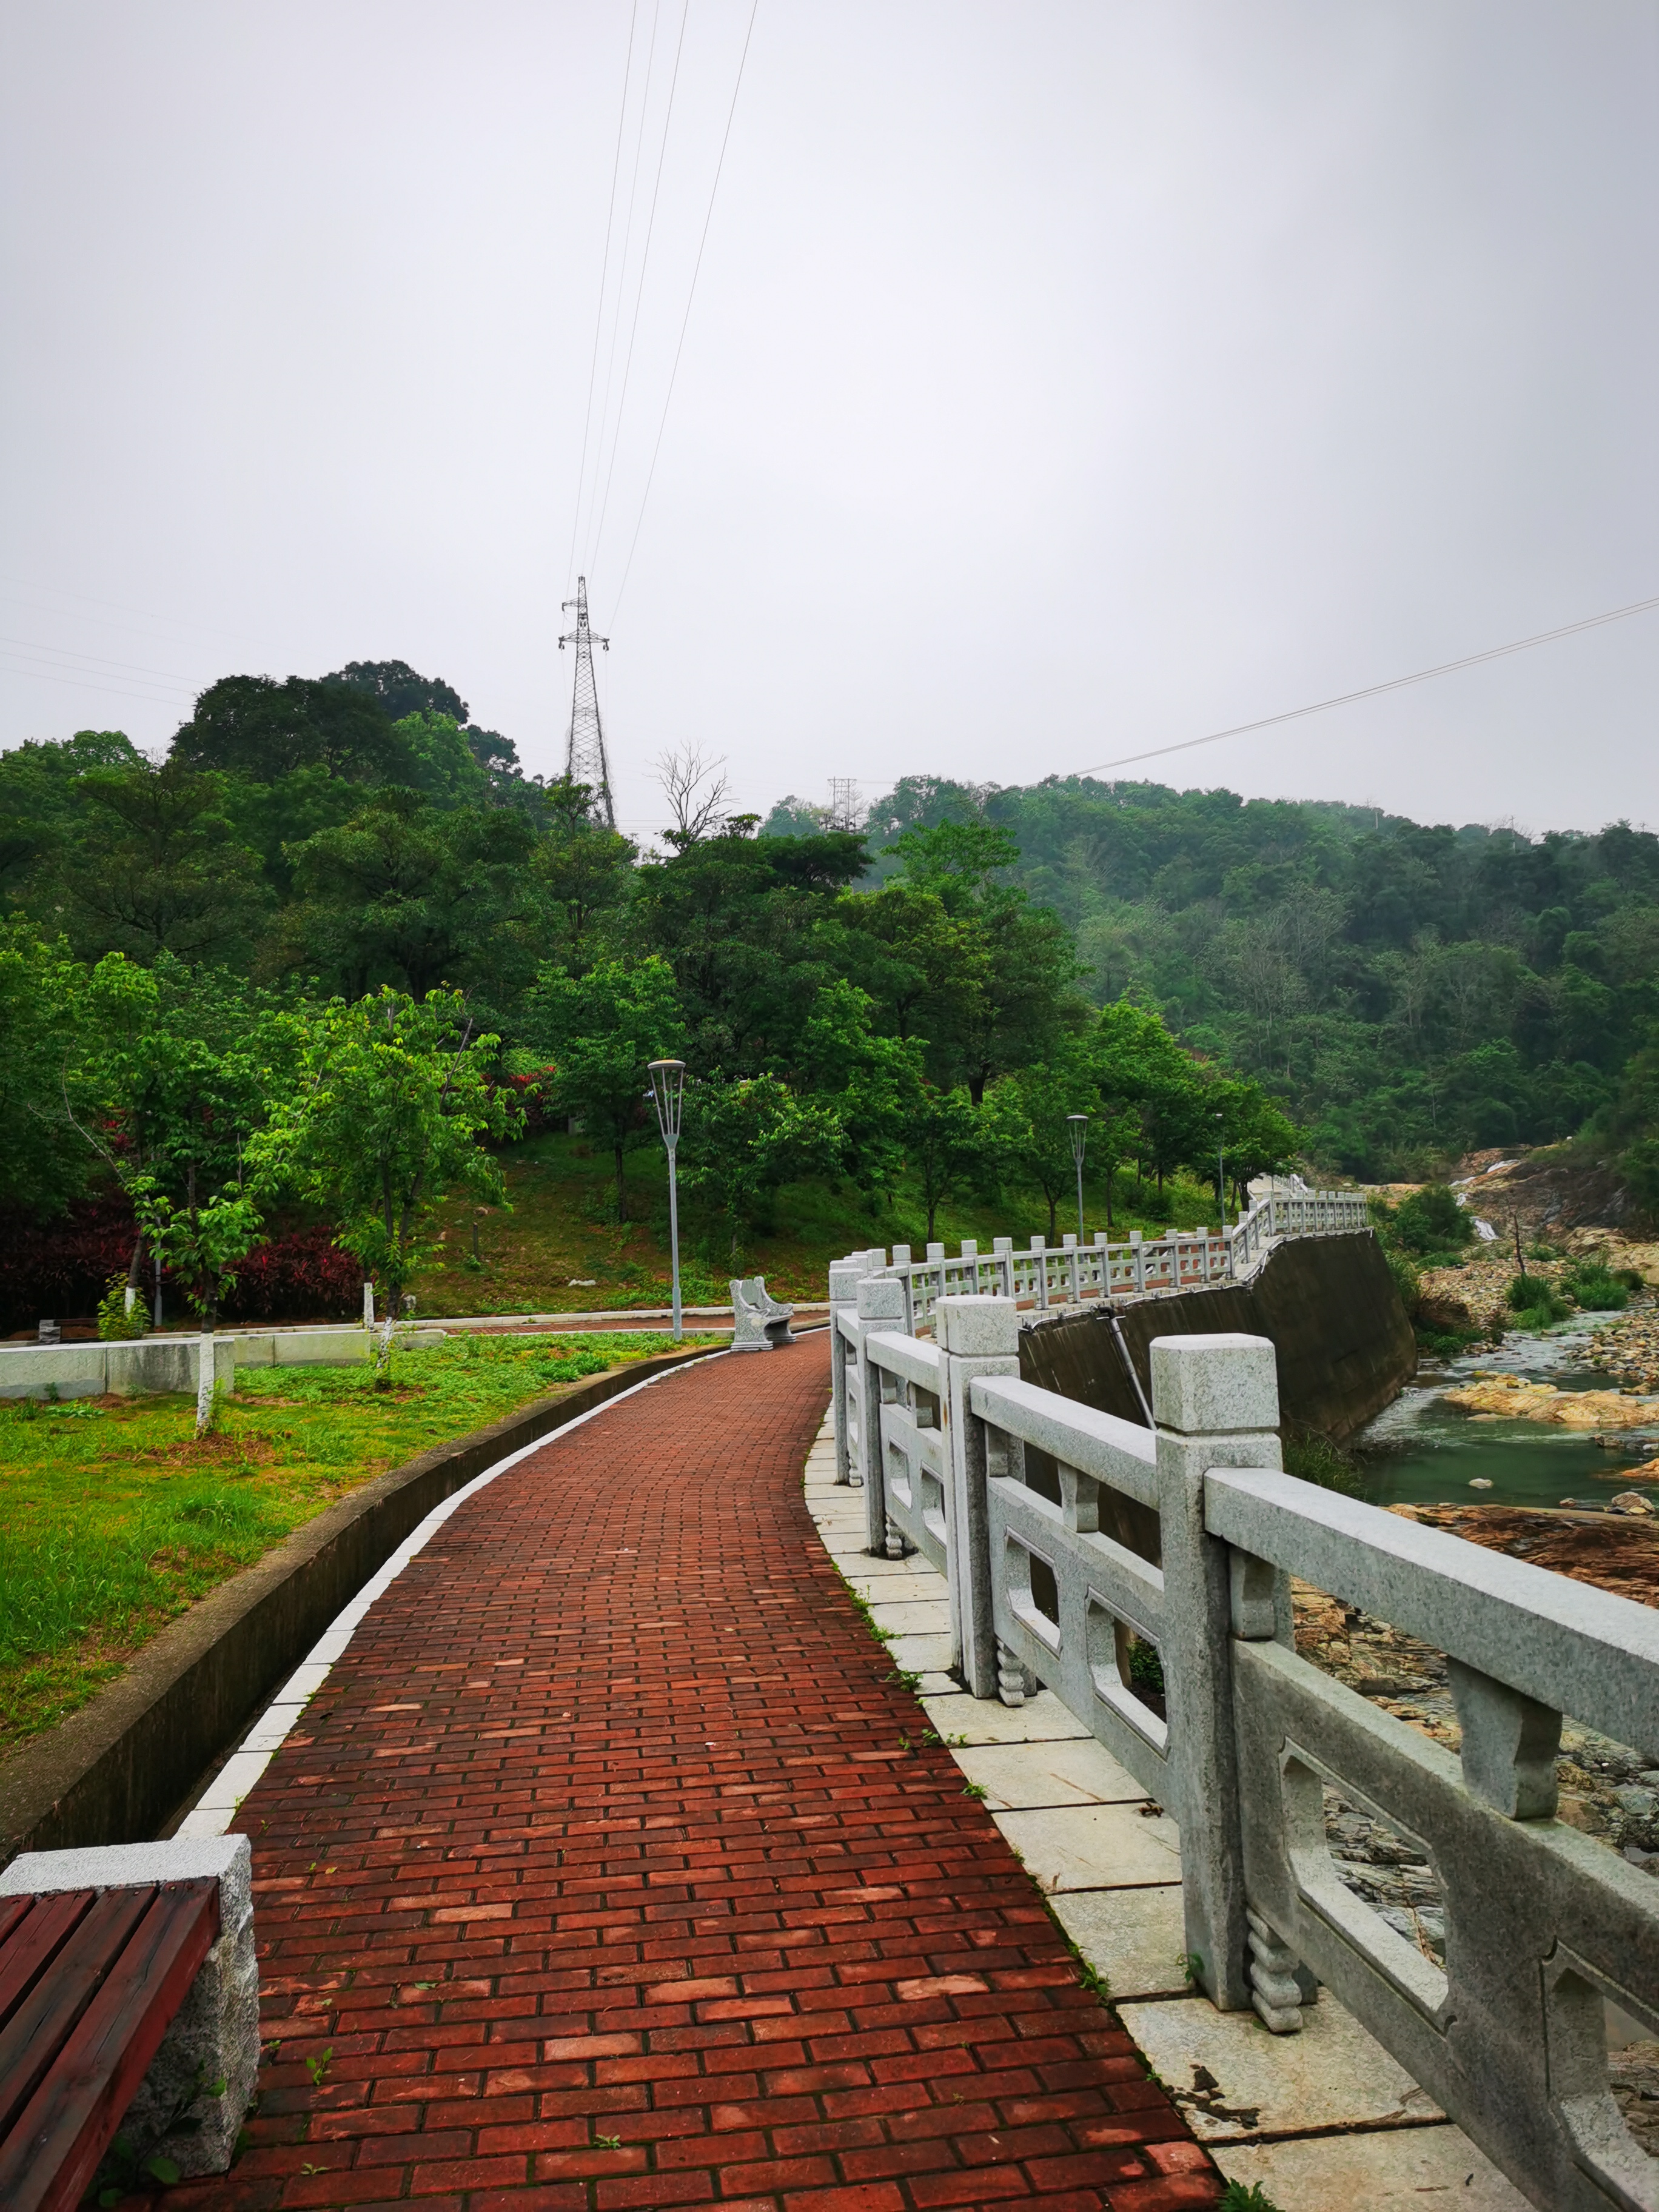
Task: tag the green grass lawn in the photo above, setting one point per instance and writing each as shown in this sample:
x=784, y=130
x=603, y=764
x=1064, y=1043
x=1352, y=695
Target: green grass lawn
x=561, y=1249
x=113, y=1517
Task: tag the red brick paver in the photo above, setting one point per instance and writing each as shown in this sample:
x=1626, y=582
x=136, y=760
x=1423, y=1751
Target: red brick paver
x=610, y=1870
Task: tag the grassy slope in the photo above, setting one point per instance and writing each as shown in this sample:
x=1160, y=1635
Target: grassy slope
x=562, y=1226
x=113, y=1517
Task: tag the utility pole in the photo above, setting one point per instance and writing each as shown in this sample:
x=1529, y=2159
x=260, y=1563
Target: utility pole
x=583, y=753
x=844, y=808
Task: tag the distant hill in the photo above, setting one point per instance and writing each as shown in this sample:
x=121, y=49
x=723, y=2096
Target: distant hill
x=1409, y=991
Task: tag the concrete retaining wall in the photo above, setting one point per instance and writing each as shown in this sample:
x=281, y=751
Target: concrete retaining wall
x=1343, y=1341
x=129, y=1367
x=124, y=1766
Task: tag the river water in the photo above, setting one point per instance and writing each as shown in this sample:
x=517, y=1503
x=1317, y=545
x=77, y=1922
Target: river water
x=1421, y=1451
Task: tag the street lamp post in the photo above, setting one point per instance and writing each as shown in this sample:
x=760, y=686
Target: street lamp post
x=668, y=1092
x=1078, y=1124
x=1221, y=1171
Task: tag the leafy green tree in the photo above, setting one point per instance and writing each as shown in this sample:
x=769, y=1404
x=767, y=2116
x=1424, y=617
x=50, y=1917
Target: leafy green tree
x=602, y=1031
x=584, y=871
x=1046, y=1094
x=871, y=1083
x=443, y=767
x=1431, y=1220
x=398, y=690
x=156, y=866
x=42, y=1004
x=943, y=1146
x=414, y=896
x=178, y=1069
x=41, y=799
x=392, y=1100
x=1255, y=1136
x=743, y=1140
x=261, y=729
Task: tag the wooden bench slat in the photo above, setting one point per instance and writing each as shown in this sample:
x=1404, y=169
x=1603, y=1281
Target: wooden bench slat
x=53, y=2152
x=40, y=1930
x=38, y=2028
x=12, y=1910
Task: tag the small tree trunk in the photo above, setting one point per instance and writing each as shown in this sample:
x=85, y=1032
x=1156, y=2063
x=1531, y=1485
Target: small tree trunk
x=1053, y=1206
x=132, y=1272
x=621, y=1186
x=1111, y=1173
x=205, y=1364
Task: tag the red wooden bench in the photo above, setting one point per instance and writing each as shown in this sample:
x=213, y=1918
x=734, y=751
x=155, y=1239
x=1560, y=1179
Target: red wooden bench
x=88, y=1983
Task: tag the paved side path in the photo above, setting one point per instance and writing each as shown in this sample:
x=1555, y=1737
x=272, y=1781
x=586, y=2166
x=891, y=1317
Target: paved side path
x=612, y=1870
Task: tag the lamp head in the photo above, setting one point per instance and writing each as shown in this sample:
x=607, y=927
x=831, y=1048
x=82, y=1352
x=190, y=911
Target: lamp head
x=1078, y=1125
x=668, y=1092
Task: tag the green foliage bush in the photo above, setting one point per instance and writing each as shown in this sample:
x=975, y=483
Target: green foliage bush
x=1407, y=1280
x=1431, y=1221
x=1595, y=1287
x=1534, y=1302
x=1314, y=1458
x=115, y=1324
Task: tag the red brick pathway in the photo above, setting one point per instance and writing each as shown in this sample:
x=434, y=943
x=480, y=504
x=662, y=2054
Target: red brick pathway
x=613, y=1871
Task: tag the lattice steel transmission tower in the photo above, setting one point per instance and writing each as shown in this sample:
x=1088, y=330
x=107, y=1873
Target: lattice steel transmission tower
x=584, y=757
x=845, y=810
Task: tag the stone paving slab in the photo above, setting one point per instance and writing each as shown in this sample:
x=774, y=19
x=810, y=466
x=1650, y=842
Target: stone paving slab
x=1095, y=1847
x=1135, y=1939
x=610, y=1870
x=1406, y=2170
x=967, y=1719
x=1333, y=2075
x=1014, y=1775
x=912, y=1616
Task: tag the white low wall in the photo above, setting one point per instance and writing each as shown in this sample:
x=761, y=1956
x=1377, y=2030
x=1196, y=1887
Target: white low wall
x=144, y=1365
x=125, y=1368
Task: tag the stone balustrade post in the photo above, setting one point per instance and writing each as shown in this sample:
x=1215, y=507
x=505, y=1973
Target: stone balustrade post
x=880, y=1305
x=977, y=1336
x=845, y=1276
x=1215, y=1403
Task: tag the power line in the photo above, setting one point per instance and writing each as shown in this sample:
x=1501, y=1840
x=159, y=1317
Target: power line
x=651, y=473
x=639, y=295
x=99, y=663
x=605, y=271
x=1374, y=690
x=622, y=270
x=84, y=683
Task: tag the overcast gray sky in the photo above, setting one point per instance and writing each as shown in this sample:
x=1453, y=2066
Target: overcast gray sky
x=1060, y=379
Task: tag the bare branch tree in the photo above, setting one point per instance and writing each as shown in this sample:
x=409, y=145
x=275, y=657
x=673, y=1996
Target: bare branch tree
x=695, y=788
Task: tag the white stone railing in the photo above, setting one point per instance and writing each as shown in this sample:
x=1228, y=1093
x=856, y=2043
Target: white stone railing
x=1044, y=1275
x=1002, y=1484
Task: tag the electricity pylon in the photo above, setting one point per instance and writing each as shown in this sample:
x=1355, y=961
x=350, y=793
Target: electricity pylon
x=584, y=757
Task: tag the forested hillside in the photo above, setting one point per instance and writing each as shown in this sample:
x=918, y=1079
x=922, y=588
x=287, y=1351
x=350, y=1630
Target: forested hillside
x=1408, y=992
x=219, y=969
x=336, y=946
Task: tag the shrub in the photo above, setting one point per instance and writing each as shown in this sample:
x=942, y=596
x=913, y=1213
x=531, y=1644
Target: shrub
x=1407, y=1280
x=1596, y=1288
x=1313, y=1458
x=1534, y=1301
x=1431, y=1220
x=300, y=1275
x=115, y=1324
